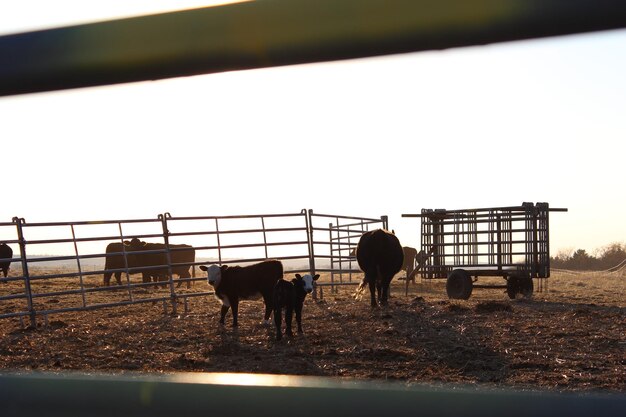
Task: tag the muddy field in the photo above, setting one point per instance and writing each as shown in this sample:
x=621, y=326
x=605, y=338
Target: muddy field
x=571, y=336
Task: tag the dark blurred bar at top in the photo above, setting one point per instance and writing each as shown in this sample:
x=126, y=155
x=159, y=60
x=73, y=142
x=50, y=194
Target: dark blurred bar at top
x=268, y=33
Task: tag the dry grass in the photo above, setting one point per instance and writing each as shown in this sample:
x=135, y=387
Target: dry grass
x=570, y=337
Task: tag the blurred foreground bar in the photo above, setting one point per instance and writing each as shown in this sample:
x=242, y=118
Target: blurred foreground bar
x=258, y=395
x=269, y=33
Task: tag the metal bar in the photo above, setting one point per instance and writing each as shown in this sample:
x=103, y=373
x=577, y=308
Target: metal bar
x=80, y=272
x=27, y=289
x=264, y=236
x=236, y=216
x=274, y=33
x=309, y=234
x=168, y=259
x=85, y=223
x=224, y=232
x=332, y=274
x=217, y=235
x=333, y=216
x=128, y=285
x=74, y=394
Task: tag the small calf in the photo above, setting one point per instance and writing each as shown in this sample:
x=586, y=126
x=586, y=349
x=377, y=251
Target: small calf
x=290, y=296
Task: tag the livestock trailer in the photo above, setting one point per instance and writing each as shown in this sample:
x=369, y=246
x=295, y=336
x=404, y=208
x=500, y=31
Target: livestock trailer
x=463, y=245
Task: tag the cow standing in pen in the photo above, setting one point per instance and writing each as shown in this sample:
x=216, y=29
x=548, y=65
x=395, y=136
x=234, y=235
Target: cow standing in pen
x=289, y=296
x=379, y=255
x=5, y=253
x=410, y=257
x=182, y=257
x=234, y=283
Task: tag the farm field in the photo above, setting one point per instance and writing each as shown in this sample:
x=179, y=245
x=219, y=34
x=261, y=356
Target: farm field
x=570, y=337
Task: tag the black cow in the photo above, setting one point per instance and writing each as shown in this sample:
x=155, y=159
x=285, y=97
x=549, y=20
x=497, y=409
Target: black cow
x=5, y=253
x=290, y=296
x=380, y=257
x=234, y=283
x=182, y=256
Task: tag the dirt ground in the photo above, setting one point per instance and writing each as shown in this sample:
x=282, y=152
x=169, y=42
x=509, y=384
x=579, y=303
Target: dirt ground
x=570, y=337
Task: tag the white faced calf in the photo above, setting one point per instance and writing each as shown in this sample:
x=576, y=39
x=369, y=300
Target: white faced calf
x=234, y=283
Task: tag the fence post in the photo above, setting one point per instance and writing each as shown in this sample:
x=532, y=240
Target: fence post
x=264, y=237
x=309, y=229
x=332, y=259
x=385, y=222
x=29, y=295
x=80, y=270
x=168, y=258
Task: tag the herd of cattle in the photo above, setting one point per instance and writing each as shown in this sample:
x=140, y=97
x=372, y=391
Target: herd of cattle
x=148, y=258
x=379, y=255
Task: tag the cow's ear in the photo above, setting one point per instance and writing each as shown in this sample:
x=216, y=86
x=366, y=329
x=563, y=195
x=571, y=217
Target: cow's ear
x=224, y=267
x=203, y=267
x=126, y=242
x=315, y=277
x=294, y=281
x=298, y=276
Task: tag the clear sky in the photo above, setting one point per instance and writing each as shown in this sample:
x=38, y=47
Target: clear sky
x=541, y=120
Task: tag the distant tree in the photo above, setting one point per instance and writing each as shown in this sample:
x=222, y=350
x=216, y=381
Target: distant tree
x=562, y=258
x=611, y=255
x=582, y=260
x=605, y=257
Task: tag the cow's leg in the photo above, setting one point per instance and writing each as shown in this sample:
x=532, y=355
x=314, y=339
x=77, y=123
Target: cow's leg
x=107, y=278
x=118, y=278
x=385, y=294
x=267, y=300
x=278, y=321
x=223, y=312
x=234, y=304
x=288, y=319
x=184, y=274
x=145, y=277
x=299, y=316
x=372, y=285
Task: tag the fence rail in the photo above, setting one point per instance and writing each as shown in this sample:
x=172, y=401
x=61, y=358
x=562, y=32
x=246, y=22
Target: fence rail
x=192, y=394
x=83, y=252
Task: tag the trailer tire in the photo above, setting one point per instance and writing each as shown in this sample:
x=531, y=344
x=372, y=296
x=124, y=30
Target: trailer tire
x=519, y=284
x=459, y=285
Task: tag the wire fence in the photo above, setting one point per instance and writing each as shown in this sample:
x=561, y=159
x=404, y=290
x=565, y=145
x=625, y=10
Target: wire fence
x=91, y=265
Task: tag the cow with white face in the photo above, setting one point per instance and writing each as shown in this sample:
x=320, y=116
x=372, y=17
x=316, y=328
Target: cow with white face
x=289, y=296
x=234, y=283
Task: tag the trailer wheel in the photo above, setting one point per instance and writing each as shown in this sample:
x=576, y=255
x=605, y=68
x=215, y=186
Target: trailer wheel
x=519, y=284
x=459, y=285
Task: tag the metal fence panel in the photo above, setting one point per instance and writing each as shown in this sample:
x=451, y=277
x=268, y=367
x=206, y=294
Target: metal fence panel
x=155, y=260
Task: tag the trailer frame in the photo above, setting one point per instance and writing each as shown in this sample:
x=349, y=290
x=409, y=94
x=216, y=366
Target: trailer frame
x=509, y=242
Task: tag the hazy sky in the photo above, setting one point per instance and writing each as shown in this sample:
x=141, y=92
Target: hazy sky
x=541, y=120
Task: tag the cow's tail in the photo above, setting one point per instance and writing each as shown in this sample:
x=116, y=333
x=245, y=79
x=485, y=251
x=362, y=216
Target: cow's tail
x=358, y=294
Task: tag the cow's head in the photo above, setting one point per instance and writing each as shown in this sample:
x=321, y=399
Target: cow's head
x=306, y=281
x=135, y=243
x=214, y=274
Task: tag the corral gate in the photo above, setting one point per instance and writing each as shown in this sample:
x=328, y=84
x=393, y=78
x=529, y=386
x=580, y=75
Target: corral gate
x=343, y=234
x=78, y=252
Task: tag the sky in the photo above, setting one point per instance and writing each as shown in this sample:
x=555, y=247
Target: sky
x=496, y=125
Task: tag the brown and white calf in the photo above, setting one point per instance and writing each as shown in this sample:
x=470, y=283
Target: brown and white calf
x=290, y=295
x=234, y=283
